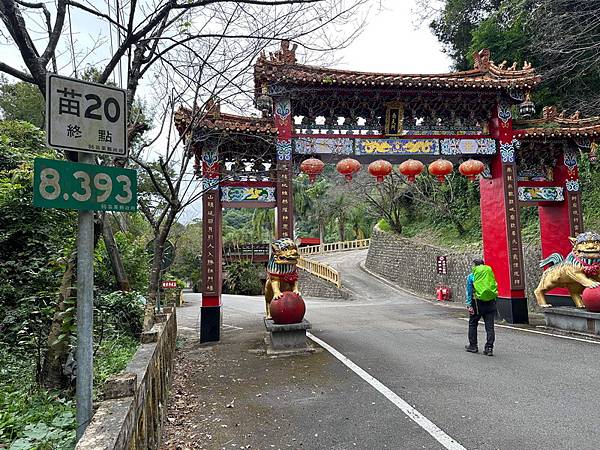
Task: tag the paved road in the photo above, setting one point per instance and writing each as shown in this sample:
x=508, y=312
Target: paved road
x=537, y=392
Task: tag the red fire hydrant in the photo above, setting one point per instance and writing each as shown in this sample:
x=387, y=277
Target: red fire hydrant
x=443, y=293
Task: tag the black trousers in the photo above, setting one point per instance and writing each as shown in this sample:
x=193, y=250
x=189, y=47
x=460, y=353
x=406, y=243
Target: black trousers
x=487, y=310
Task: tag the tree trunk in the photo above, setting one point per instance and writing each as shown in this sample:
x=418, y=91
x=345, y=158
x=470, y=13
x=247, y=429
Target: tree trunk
x=160, y=236
x=321, y=232
x=114, y=255
x=56, y=354
x=342, y=229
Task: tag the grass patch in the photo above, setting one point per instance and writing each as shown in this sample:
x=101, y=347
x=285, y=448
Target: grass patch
x=112, y=357
x=32, y=417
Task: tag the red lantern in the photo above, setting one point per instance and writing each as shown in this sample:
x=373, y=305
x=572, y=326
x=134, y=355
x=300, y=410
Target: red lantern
x=471, y=168
x=440, y=168
x=411, y=168
x=312, y=167
x=380, y=169
x=348, y=167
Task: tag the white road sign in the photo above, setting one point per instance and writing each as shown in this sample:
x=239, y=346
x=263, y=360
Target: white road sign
x=86, y=117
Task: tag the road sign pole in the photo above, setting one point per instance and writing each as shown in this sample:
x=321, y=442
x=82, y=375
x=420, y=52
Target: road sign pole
x=85, y=313
x=88, y=118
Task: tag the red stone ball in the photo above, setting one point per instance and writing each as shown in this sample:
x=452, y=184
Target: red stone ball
x=591, y=299
x=348, y=167
x=312, y=167
x=471, y=168
x=289, y=308
x=411, y=168
x=380, y=169
x=440, y=168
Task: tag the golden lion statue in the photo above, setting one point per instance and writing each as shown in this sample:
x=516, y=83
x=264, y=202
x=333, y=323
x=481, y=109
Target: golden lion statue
x=282, y=274
x=579, y=270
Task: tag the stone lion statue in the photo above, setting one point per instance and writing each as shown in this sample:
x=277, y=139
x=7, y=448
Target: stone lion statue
x=282, y=274
x=579, y=270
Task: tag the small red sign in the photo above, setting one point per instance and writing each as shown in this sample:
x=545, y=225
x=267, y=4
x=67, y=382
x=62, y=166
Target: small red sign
x=168, y=284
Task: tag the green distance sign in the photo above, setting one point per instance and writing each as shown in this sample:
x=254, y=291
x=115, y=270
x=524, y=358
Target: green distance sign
x=87, y=187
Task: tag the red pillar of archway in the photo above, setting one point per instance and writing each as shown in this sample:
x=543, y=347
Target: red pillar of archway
x=500, y=222
x=559, y=221
x=285, y=187
x=212, y=253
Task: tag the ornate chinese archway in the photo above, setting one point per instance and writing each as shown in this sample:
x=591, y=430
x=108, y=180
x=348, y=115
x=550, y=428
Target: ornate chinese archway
x=333, y=114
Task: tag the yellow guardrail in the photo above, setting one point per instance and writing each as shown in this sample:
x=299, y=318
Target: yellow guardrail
x=335, y=247
x=321, y=270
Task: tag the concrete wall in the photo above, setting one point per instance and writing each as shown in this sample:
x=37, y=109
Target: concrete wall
x=412, y=265
x=131, y=415
x=313, y=286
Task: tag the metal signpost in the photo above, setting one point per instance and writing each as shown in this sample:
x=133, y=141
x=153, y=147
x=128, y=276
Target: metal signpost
x=91, y=119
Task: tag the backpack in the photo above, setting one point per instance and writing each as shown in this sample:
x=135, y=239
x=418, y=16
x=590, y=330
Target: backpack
x=484, y=283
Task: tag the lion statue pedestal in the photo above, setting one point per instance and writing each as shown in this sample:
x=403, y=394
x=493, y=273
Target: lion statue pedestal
x=282, y=279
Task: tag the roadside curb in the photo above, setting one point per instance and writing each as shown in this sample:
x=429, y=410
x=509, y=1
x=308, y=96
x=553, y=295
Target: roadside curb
x=450, y=305
x=541, y=329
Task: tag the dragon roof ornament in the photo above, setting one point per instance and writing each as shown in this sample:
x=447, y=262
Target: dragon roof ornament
x=558, y=125
x=281, y=67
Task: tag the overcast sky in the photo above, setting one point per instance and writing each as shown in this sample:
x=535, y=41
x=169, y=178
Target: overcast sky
x=391, y=43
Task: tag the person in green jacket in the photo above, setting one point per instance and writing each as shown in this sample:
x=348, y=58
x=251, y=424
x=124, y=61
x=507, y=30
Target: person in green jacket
x=482, y=291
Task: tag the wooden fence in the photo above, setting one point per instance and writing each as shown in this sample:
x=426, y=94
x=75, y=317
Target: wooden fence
x=335, y=247
x=321, y=270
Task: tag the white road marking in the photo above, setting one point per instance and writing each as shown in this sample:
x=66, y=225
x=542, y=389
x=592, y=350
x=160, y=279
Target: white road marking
x=411, y=412
x=571, y=338
x=232, y=326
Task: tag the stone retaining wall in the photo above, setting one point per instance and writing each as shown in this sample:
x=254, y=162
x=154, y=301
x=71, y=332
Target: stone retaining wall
x=313, y=286
x=131, y=415
x=412, y=265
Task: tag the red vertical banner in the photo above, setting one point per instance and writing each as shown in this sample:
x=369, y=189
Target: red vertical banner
x=285, y=187
x=575, y=213
x=572, y=186
x=211, y=228
x=513, y=228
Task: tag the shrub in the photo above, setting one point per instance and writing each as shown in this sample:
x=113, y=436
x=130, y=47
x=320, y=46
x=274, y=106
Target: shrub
x=242, y=278
x=383, y=225
x=31, y=417
x=120, y=312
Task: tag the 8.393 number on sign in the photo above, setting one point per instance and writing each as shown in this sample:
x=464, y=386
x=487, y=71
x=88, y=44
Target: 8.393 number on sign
x=87, y=187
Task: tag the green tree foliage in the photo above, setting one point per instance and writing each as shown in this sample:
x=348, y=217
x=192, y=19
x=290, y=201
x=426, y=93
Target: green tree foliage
x=31, y=417
x=22, y=101
x=34, y=242
x=136, y=262
x=242, y=278
x=330, y=208
x=245, y=226
x=590, y=192
x=187, y=264
x=455, y=23
x=559, y=37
